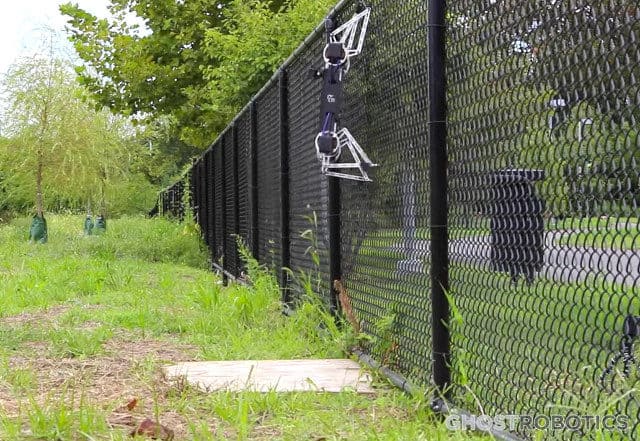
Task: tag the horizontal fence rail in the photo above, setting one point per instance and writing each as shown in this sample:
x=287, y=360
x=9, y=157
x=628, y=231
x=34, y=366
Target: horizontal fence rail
x=496, y=252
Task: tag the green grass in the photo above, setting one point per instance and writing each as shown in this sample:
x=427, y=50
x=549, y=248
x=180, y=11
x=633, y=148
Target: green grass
x=621, y=233
x=517, y=349
x=87, y=322
x=618, y=233
x=604, y=239
x=394, y=237
x=618, y=238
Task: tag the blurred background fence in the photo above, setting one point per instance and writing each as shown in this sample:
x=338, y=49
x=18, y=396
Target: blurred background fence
x=537, y=210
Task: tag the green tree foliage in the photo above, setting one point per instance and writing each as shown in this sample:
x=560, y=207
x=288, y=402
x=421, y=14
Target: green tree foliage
x=58, y=147
x=253, y=41
x=164, y=154
x=173, y=68
x=145, y=73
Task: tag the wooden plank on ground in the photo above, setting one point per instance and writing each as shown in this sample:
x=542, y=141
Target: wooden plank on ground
x=333, y=375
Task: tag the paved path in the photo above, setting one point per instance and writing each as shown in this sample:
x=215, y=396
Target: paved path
x=562, y=263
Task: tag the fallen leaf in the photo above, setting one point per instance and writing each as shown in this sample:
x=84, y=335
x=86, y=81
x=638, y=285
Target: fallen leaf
x=153, y=430
x=345, y=303
x=127, y=407
x=132, y=404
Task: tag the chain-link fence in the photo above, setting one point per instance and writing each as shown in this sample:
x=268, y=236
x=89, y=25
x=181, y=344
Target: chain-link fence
x=529, y=225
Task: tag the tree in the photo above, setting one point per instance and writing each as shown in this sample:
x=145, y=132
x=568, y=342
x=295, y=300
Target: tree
x=38, y=93
x=57, y=143
x=158, y=71
x=162, y=154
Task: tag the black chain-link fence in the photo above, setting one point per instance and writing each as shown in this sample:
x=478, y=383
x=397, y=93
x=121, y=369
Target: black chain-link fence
x=540, y=221
x=172, y=201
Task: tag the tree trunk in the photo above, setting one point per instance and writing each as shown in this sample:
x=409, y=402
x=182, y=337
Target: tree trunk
x=39, y=200
x=103, y=203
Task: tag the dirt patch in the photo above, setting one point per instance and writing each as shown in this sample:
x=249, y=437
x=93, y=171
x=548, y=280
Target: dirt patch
x=32, y=318
x=8, y=404
x=129, y=369
x=43, y=317
x=89, y=325
x=264, y=431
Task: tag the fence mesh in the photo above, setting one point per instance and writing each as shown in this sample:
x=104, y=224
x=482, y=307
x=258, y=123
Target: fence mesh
x=171, y=200
x=200, y=194
x=219, y=202
x=543, y=190
x=230, y=203
x=268, y=179
x=194, y=183
x=544, y=199
x=211, y=226
x=384, y=224
x=243, y=133
x=308, y=221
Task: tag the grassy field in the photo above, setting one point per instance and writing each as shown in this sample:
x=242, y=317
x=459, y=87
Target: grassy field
x=87, y=322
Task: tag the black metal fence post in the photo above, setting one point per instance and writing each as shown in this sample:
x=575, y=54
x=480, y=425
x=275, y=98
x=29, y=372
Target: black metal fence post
x=284, y=186
x=335, y=244
x=253, y=179
x=211, y=224
x=439, y=201
x=236, y=186
x=223, y=208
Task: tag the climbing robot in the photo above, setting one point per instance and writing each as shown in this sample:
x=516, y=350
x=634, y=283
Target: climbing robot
x=343, y=43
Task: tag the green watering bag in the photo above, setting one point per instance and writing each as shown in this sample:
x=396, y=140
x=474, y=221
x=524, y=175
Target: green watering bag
x=100, y=225
x=38, y=230
x=88, y=226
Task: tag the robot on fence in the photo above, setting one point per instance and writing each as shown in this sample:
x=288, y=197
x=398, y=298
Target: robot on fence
x=343, y=43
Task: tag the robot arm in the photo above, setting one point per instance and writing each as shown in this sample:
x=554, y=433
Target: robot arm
x=340, y=141
x=356, y=28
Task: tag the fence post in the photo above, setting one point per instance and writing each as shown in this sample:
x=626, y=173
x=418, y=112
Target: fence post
x=223, y=209
x=284, y=186
x=253, y=171
x=335, y=244
x=209, y=192
x=439, y=202
x=236, y=201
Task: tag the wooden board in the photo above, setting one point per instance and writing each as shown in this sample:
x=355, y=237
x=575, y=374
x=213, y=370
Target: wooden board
x=273, y=375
